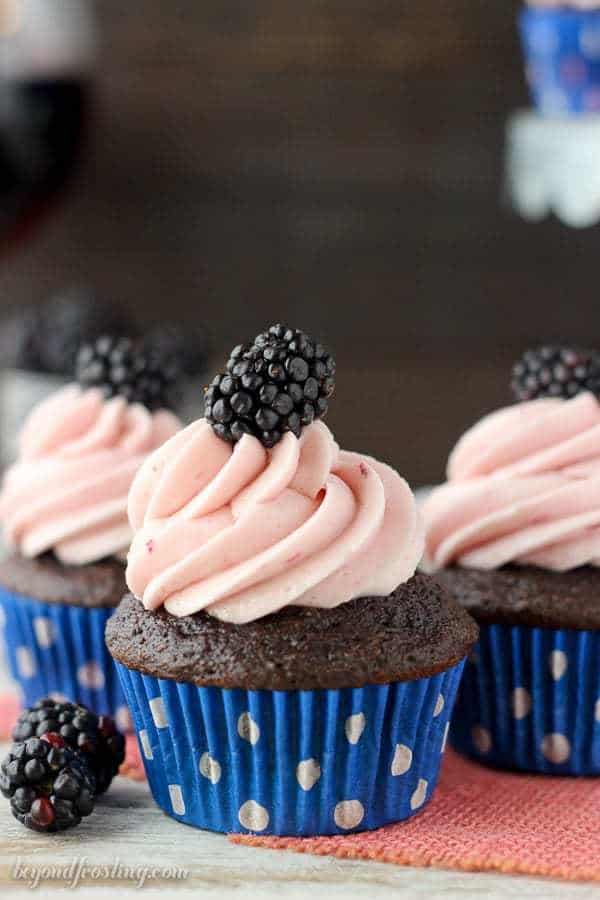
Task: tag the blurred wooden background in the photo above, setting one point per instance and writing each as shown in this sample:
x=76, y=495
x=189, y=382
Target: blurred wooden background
x=336, y=164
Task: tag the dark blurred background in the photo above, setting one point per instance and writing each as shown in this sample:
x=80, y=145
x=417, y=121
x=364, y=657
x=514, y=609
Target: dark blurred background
x=333, y=164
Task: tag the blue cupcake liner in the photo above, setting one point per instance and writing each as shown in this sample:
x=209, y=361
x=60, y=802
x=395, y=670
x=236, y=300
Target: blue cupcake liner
x=291, y=762
x=562, y=59
x=58, y=650
x=530, y=700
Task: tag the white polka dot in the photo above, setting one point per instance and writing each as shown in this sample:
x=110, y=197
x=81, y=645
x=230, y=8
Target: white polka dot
x=308, y=773
x=597, y=710
x=123, y=719
x=177, y=801
x=26, y=664
x=248, y=730
x=348, y=814
x=521, y=703
x=45, y=632
x=159, y=713
x=58, y=697
x=402, y=760
x=354, y=727
x=589, y=41
x=556, y=748
x=558, y=663
x=418, y=798
x=481, y=738
x=445, y=738
x=90, y=676
x=145, y=742
x=439, y=705
x=253, y=816
x=210, y=768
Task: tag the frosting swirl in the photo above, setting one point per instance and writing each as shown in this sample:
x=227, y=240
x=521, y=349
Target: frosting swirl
x=523, y=487
x=241, y=531
x=78, y=456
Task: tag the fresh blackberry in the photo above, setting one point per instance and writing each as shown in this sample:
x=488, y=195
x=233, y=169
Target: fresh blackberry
x=96, y=737
x=77, y=317
x=186, y=348
x=49, y=785
x=120, y=368
x=281, y=382
x=554, y=371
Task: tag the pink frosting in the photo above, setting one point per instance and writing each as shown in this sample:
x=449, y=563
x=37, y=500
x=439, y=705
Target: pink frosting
x=68, y=490
x=241, y=532
x=523, y=487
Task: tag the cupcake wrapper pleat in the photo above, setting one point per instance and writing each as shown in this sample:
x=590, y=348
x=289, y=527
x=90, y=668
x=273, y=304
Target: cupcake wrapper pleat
x=291, y=762
x=58, y=650
x=562, y=59
x=530, y=700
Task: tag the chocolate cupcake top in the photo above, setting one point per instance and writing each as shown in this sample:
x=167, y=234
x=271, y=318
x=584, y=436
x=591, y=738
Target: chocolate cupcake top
x=415, y=632
x=524, y=484
x=256, y=508
x=79, y=452
x=97, y=585
x=517, y=595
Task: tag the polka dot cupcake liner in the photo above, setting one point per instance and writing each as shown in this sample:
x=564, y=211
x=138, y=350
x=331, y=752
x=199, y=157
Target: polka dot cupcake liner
x=58, y=650
x=291, y=762
x=530, y=700
x=562, y=59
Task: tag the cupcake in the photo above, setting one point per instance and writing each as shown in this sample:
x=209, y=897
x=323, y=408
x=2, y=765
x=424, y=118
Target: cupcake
x=514, y=535
x=63, y=509
x=286, y=670
x=561, y=45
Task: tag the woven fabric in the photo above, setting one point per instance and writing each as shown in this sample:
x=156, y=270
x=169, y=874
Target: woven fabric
x=483, y=820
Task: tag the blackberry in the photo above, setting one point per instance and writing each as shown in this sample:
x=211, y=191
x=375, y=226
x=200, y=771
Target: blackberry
x=49, y=785
x=95, y=737
x=554, y=371
x=281, y=382
x=185, y=348
x=75, y=317
x=120, y=368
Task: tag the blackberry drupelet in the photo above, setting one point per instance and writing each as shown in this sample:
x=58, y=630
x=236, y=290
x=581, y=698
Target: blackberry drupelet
x=95, y=737
x=49, y=785
x=120, y=368
x=281, y=382
x=554, y=371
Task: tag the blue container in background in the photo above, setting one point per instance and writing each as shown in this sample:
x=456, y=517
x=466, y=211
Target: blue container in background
x=530, y=700
x=562, y=59
x=59, y=651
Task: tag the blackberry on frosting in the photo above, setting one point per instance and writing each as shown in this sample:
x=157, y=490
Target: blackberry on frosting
x=120, y=368
x=553, y=371
x=281, y=382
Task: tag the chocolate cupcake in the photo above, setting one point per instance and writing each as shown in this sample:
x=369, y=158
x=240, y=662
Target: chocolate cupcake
x=515, y=536
x=286, y=670
x=63, y=508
